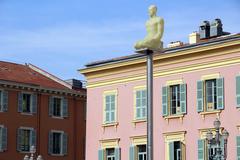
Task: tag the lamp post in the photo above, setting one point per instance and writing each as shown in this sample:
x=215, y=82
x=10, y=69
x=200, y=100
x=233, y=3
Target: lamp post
x=220, y=153
x=149, y=54
x=32, y=151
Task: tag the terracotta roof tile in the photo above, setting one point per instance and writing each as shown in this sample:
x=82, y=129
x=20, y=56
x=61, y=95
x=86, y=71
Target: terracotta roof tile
x=23, y=74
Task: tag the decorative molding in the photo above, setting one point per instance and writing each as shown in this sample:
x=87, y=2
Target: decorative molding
x=174, y=82
x=168, y=72
x=210, y=76
x=203, y=132
x=139, y=140
x=174, y=136
x=109, y=143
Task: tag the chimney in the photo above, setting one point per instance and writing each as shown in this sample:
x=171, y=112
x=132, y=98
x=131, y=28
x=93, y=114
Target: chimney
x=175, y=44
x=194, y=38
x=76, y=84
x=204, y=30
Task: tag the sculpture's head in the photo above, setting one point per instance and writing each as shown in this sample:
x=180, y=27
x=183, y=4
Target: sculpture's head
x=152, y=10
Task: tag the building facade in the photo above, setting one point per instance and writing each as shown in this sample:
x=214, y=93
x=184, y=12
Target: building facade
x=193, y=85
x=38, y=109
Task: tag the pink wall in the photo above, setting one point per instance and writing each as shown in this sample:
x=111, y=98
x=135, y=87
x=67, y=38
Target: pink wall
x=191, y=122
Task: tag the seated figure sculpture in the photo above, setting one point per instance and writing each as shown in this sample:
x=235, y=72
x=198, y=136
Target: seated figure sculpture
x=155, y=29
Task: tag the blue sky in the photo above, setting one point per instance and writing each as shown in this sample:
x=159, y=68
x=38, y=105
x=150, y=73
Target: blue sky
x=61, y=36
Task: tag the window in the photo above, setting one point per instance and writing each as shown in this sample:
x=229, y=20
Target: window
x=26, y=139
x=174, y=100
x=141, y=152
x=140, y=104
x=176, y=150
x=109, y=150
x=3, y=101
x=110, y=154
x=203, y=150
x=3, y=138
x=110, y=107
x=238, y=147
x=58, y=107
x=175, y=145
x=27, y=103
x=57, y=143
x=238, y=91
x=210, y=95
x=138, y=149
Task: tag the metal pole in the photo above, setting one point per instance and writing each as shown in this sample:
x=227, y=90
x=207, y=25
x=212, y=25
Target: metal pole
x=149, y=54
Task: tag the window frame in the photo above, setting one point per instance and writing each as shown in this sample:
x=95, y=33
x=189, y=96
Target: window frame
x=61, y=142
x=105, y=94
x=142, y=118
x=30, y=129
x=205, y=101
x=30, y=106
x=61, y=107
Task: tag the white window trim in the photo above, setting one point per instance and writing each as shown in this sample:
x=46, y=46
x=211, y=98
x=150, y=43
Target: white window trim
x=61, y=132
x=31, y=105
x=107, y=93
x=30, y=129
x=135, y=90
x=61, y=107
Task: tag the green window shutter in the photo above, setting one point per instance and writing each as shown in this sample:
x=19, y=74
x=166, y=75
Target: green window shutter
x=144, y=103
x=201, y=146
x=64, y=107
x=165, y=101
x=50, y=143
x=34, y=103
x=5, y=101
x=19, y=139
x=64, y=143
x=138, y=105
x=220, y=93
x=117, y=153
x=4, y=138
x=113, y=108
x=183, y=98
x=101, y=154
x=238, y=147
x=50, y=106
x=238, y=90
x=33, y=138
x=107, y=109
x=171, y=150
x=20, y=102
x=132, y=153
x=200, y=96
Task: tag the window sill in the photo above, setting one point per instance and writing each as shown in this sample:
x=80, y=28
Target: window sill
x=27, y=113
x=57, y=117
x=217, y=112
x=114, y=124
x=57, y=155
x=180, y=117
x=25, y=152
x=135, y=121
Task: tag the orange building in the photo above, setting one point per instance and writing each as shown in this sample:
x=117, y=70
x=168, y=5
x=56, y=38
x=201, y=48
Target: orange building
x=41, y=110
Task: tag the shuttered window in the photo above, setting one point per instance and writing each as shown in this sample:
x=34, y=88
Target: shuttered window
x=58, y=106
x=174, y=100
x=26, y=137
x=238, y=91
x=210, y=95
x=3, y=138
x=57, y=143
x=238, y=147
x=3, y=101
x=110, y=108
x=141, y=103
x=27, y=103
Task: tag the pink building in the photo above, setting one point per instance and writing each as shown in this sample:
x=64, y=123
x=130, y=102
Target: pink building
x=193, y=85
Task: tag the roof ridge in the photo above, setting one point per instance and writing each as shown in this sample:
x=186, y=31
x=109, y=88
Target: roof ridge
x=49, y=75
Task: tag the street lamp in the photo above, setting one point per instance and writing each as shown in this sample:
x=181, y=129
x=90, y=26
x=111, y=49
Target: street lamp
x=32, y=151
x=215, y=152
